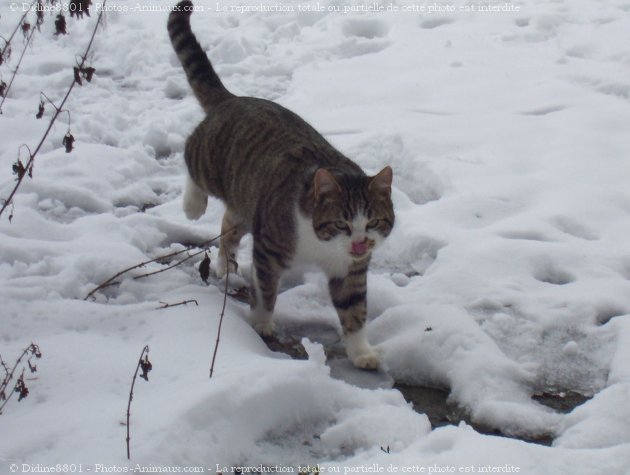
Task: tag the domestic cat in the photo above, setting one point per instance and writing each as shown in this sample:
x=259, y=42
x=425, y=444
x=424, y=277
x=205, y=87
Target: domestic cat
x=302, y=200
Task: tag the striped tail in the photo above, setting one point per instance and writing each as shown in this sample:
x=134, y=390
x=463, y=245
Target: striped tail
x=204, y=81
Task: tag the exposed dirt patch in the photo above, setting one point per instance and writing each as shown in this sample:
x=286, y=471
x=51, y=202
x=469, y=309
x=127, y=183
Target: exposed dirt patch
x=563, y=402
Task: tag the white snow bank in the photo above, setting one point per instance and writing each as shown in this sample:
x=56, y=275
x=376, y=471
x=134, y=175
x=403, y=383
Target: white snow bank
x=443, y=346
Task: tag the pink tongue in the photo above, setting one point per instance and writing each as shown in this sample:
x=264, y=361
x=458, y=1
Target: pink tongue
x=359, y=247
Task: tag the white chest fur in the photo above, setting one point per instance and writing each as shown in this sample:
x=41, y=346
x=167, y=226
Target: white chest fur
x=331, y=256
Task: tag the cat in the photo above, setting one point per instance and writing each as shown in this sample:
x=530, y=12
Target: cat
x=302, y=200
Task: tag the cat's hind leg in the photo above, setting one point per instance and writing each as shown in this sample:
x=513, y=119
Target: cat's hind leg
x=267, y=267
x=232, y=230
x=264, y=291
x=195, y=200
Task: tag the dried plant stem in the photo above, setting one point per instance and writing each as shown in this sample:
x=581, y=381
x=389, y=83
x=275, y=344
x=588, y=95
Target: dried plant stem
x=190, y=256
x=169, y=305
x=225, y=294
x=7, y=44
x=17, y=67
x=11, y=393
x=145, y=350
x=8, y=377
x=9, y=373
x=58, y=111
x=111, y=281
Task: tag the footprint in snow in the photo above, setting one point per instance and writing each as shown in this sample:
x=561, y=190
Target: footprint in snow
x=546, y=110
x=575, y=229
x=369, y=28
x=435, y=22
x=551, y=274
x=521, y=22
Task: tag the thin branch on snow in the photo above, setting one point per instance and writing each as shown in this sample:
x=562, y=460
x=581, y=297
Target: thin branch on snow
x=169, y=305
x=146, y=366
x=29, y=38
x=112, y=280
x=188, y=257
x=20, y=386
x=225, y=294
x=7, y=43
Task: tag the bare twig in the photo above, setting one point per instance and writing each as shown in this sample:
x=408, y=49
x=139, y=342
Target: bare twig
x=225, y=294
x=17, y=67
x=58, y=110
x=7, y=43
x=190, y=256
x=111, y=281
x=146, y=366
x=19, y=386
x=5, y=367
x=169, y=305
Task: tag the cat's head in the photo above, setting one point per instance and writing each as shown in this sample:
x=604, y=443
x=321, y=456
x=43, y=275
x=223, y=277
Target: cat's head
x=355, y=212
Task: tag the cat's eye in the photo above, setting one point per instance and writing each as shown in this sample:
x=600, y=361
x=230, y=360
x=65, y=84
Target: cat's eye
x=372, y=223
x=341, y=225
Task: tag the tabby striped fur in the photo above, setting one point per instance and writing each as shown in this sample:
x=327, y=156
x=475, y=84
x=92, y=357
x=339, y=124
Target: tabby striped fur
x=283, y=182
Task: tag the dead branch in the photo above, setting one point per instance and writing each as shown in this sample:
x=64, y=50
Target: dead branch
x=225, y=294
x=169, y=305
x=190, y=256
x=29, y=38
x=109, y=282
x=7, y=43
x=20, y=386
x=146, y=366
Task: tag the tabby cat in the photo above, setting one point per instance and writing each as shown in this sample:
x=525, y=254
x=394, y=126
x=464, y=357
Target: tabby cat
x=280, y=180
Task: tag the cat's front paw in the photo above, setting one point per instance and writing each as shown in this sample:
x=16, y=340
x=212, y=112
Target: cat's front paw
x=264, y=329
x=367, y=360
x=360, y=352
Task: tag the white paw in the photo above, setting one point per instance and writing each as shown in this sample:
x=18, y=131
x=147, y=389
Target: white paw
x=195, y=207
x=264, y=328
x=367, y=360
x=360, y=351
x=223, y=266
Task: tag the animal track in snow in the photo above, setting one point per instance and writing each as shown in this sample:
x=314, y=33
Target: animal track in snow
x=521, y=22
x=551, y=274
x=527, y=236
x=583, y=51
x=620, y=90
x=575, y=229
x=435, y=22
x=369, y=28
x=544, y=110
x=615, y=89
x=363, y=36
x=356, y=46
x=606, y=313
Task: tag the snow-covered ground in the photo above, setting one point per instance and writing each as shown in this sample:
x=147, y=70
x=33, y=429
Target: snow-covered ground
x=508, y=135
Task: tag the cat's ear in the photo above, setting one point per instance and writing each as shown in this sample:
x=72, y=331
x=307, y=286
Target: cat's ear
x=382, y=182
x=325, y=183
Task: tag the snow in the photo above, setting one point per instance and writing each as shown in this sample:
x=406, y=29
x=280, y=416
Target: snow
x=507, y=274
